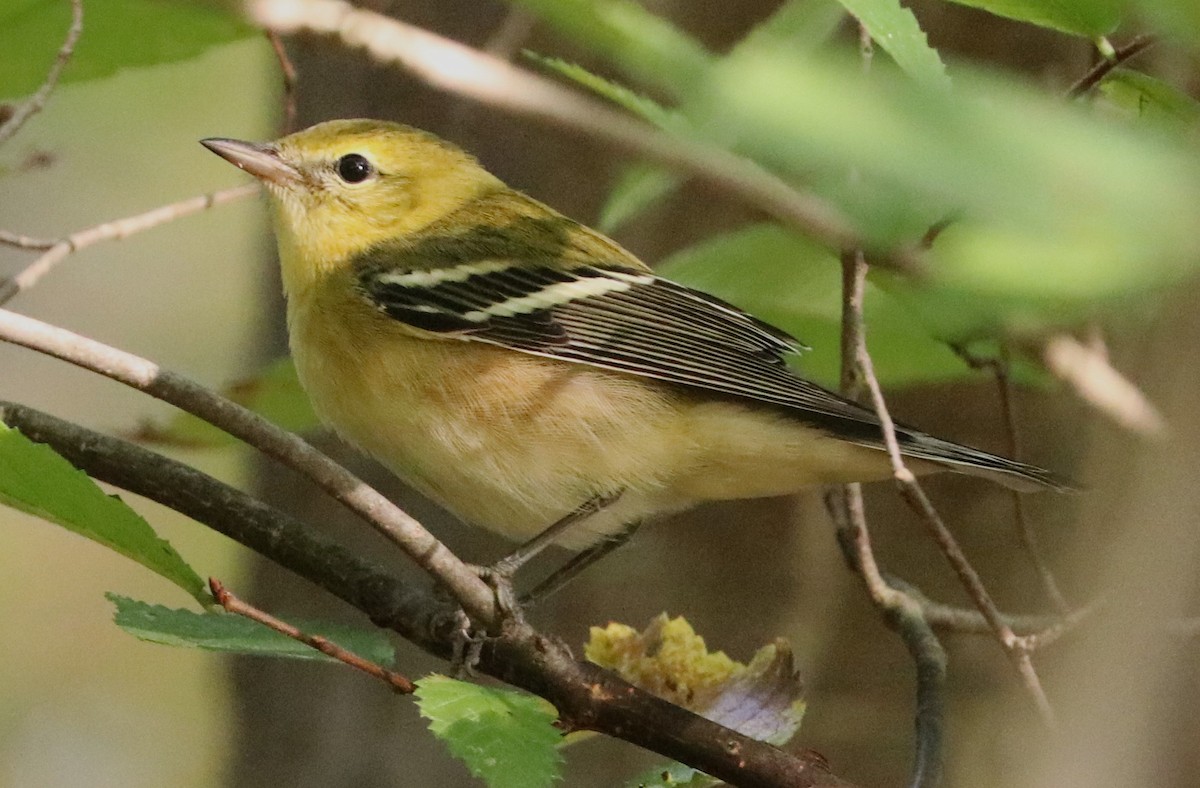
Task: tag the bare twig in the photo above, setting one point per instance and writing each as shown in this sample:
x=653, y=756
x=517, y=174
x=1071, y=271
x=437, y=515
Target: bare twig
x=231, y=603
x=999, y=367
x=37, y=101
x=1016, y=648
x=114, y=230
x=512, y=31
x=288, y=69
x=1098, y=72
x=387, y=518
x=453, y=67
x=1089, y=373
x=26, y=241
x=902, y=611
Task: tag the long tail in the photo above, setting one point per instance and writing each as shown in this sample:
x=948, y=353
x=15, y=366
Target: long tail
x=963, y=459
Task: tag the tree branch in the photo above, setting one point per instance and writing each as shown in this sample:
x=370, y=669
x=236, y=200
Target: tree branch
x=1102, y=69
x=587, y=696
x=901, y=611
x=291, y=450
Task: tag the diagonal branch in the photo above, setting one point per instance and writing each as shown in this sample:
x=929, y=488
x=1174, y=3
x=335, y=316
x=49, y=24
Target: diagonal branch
x=291, y=450
x=587, y=696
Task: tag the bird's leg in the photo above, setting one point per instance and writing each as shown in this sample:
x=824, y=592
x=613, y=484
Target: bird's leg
x=572, y=568
x=499, y=575
x=507, y=566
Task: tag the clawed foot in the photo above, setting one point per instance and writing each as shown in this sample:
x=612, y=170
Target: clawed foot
x=467, y=638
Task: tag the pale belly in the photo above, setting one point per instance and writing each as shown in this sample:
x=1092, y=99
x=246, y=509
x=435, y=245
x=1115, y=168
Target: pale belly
x=511, y=442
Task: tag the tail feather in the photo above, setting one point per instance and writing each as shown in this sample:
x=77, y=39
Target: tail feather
x=957, y=458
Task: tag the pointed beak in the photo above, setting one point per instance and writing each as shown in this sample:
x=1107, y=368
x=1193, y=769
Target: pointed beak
x=260, y=160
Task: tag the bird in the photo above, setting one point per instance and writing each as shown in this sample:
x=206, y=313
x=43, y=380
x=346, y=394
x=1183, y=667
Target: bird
x=527, y=372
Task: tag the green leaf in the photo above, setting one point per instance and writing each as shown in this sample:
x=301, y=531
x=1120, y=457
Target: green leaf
x=803, y=24
x=1056, y=205
x=638, y=187
x=643, y=106
x=895, y=29
x=35, y=480
x=794, y=284
x=116, y=34
x=1147, y=98
x=504, y=737
x=646, y=46
x=233, y=634
x=275, y=394
x=1089, y=18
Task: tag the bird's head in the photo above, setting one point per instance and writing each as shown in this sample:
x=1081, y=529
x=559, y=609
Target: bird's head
x=342, y=187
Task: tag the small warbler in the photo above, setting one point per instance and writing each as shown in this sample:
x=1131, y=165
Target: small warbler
x=523, y=369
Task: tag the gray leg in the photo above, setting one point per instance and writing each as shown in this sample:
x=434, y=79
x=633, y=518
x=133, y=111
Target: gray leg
x=570, y=570
x=508, y=565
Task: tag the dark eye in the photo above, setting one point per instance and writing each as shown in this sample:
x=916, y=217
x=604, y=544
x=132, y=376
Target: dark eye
x=354, y=168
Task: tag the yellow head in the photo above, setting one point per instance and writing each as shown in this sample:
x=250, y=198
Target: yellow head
x=341, y=187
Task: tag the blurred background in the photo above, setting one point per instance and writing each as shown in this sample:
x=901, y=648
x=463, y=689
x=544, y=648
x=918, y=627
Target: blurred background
x=83, y=704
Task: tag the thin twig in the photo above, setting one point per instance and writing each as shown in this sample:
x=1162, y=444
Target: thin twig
x=26, y=241
x=1101, y=70
x=1092, y=377
x=37, y=101
x=346, y=488
x=999, y=368
x=398, y=682
x=903, y=612
x=453, y=67
x=114, y=230
x=288, y=70
x=911, y=491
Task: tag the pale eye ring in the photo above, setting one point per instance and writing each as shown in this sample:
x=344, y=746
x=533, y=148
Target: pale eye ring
x=354, y=168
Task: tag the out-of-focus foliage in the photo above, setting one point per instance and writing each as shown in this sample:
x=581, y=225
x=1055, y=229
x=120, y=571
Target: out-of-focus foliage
x=1082, y=17
x=506, y=738
x=1059, y=214
x=37, y=481
x=118, y=34
x=275, y=394
x=233, y=634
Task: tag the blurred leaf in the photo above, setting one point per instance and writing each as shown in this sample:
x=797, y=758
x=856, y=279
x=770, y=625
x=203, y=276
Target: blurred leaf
x=794, y=284
x=797, y=23
x=1177, y=19
x=1055, y=203
x=504, y=737
x=116, y=34
x=643, y=106
x=895, y=29
x=233, y=634
x=638, y=187
x=1089, y=18
x=275, y=394
x=1145, y=97
x=35, y=480
x=646, y=46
